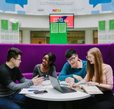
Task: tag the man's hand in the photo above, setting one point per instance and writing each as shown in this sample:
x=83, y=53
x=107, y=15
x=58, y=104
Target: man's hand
x=70, y=81
x=37, y=80
x=79, y=78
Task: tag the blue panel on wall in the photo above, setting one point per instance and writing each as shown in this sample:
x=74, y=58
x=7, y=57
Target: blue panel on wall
x=6, y=7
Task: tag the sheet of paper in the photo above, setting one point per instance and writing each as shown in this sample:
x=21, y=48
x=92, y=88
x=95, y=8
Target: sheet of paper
x=29, y=90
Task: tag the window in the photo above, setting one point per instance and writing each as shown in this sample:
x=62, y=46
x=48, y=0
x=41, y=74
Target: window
x=95, y=36
x=76, y=37
x=39, y=37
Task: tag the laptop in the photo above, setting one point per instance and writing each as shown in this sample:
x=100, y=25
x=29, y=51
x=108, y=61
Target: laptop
x=56, y=85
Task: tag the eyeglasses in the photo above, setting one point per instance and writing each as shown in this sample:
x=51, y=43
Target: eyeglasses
x=18, y=59
x=89, y=57
x=45, y=58
x=71, y=59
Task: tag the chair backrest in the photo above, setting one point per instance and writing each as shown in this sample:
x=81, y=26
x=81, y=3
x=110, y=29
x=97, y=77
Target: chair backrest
x=32, y=53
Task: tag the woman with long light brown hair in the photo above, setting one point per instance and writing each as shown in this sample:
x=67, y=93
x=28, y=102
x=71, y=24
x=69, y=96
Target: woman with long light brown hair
x=101, y=75
x=98, y=73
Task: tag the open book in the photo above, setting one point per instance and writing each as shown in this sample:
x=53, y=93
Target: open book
x=91, y=89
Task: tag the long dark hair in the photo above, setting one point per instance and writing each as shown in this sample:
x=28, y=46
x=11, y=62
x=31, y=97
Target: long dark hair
x=52, y=58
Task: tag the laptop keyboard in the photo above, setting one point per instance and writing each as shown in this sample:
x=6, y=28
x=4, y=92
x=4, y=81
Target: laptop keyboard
x=66, y=89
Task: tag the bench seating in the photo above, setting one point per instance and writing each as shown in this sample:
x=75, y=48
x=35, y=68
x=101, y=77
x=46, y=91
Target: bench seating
x=32, y=54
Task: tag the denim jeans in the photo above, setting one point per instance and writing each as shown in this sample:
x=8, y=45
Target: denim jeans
x=15, y=101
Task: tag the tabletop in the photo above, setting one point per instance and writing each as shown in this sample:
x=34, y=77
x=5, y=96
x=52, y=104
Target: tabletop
x=52, y=94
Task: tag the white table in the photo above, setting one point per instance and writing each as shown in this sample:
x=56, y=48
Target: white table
x=54, y=95
x=54, y=98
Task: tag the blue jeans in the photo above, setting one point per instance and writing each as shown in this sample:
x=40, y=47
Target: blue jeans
x=15, y=101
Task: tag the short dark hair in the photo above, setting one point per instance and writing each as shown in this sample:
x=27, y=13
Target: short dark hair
x=13, y=53
x=69, y=53
x=52, y=58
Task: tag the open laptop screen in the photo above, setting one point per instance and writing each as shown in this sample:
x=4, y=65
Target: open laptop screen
x=55, y=83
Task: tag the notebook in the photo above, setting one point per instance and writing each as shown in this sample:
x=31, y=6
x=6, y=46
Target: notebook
x=90, y=89
x=56, y=85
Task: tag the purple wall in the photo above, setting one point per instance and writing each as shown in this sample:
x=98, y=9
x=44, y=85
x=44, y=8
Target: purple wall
x=32, y=54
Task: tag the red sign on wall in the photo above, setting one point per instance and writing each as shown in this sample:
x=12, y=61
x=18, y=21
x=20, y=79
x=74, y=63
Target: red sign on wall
x=68, y=18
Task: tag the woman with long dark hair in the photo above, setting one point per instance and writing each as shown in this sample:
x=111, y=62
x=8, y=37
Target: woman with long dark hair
x=46, y=67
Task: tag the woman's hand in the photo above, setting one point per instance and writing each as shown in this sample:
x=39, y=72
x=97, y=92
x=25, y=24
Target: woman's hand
x=93, y=83
x=37, y=80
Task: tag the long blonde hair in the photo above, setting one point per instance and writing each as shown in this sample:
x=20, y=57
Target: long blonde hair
x=96, y=68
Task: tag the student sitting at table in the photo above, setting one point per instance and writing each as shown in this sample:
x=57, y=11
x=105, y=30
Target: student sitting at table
x=9, y=88
x=74, y=68
x=100, y=75
x=46, y=67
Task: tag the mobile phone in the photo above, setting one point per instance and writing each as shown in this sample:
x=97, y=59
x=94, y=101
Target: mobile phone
x=40, y=91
